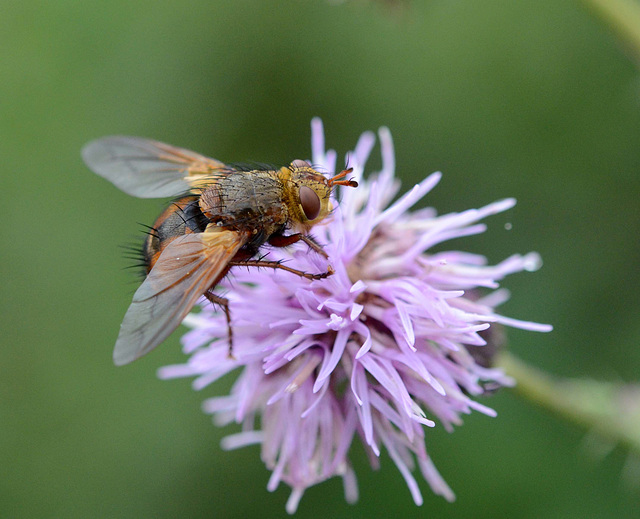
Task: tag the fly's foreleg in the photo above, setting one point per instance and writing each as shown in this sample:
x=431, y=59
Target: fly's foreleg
x=280, y=240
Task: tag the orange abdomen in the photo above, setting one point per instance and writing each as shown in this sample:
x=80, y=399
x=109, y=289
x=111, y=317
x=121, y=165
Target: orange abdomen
x=182, y=217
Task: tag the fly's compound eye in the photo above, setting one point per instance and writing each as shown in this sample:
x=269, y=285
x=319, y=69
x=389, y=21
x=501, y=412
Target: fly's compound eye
x=299, y=163
x=310, y=202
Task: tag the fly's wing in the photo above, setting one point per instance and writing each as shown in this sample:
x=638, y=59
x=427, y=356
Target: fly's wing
x=185, y=270
x=150, y=169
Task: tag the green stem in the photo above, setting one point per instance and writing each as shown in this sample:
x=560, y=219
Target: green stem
x=622, y=17
x=612, y=410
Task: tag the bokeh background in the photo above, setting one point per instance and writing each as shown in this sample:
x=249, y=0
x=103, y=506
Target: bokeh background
x=534, y=100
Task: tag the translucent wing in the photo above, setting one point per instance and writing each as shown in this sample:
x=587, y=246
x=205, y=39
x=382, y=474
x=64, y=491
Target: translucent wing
x=149, y=169
x=186, y=268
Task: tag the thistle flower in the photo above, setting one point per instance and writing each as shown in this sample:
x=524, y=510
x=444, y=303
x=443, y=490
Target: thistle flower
x=377, y=351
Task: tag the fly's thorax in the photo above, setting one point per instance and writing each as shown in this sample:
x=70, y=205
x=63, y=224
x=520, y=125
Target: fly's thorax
x=306, y=194
x=245, y=200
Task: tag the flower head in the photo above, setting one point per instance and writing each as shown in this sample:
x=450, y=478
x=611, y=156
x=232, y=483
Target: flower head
x=377, y=351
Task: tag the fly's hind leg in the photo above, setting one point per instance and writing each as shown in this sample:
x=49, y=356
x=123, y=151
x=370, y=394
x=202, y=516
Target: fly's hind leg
x=224, y=303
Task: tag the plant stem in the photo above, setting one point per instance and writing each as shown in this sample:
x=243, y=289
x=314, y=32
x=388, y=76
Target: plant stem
x=612, y=410
x=623, y=18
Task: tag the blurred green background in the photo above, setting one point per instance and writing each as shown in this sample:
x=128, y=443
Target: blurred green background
x=534, y=100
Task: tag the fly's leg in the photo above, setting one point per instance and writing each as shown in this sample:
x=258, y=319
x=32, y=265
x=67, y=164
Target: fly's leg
x=313, y=245
x=224, y=303
x=278, y=265
x=277, y=240
x=280, y=240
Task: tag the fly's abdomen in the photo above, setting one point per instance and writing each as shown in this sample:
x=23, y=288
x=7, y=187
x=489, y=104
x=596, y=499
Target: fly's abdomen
x=182, y=217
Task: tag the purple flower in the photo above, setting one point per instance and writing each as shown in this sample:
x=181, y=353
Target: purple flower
x=377, y=351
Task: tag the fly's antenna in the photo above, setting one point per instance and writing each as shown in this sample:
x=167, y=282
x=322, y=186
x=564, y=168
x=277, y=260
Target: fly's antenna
x=339, y=179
